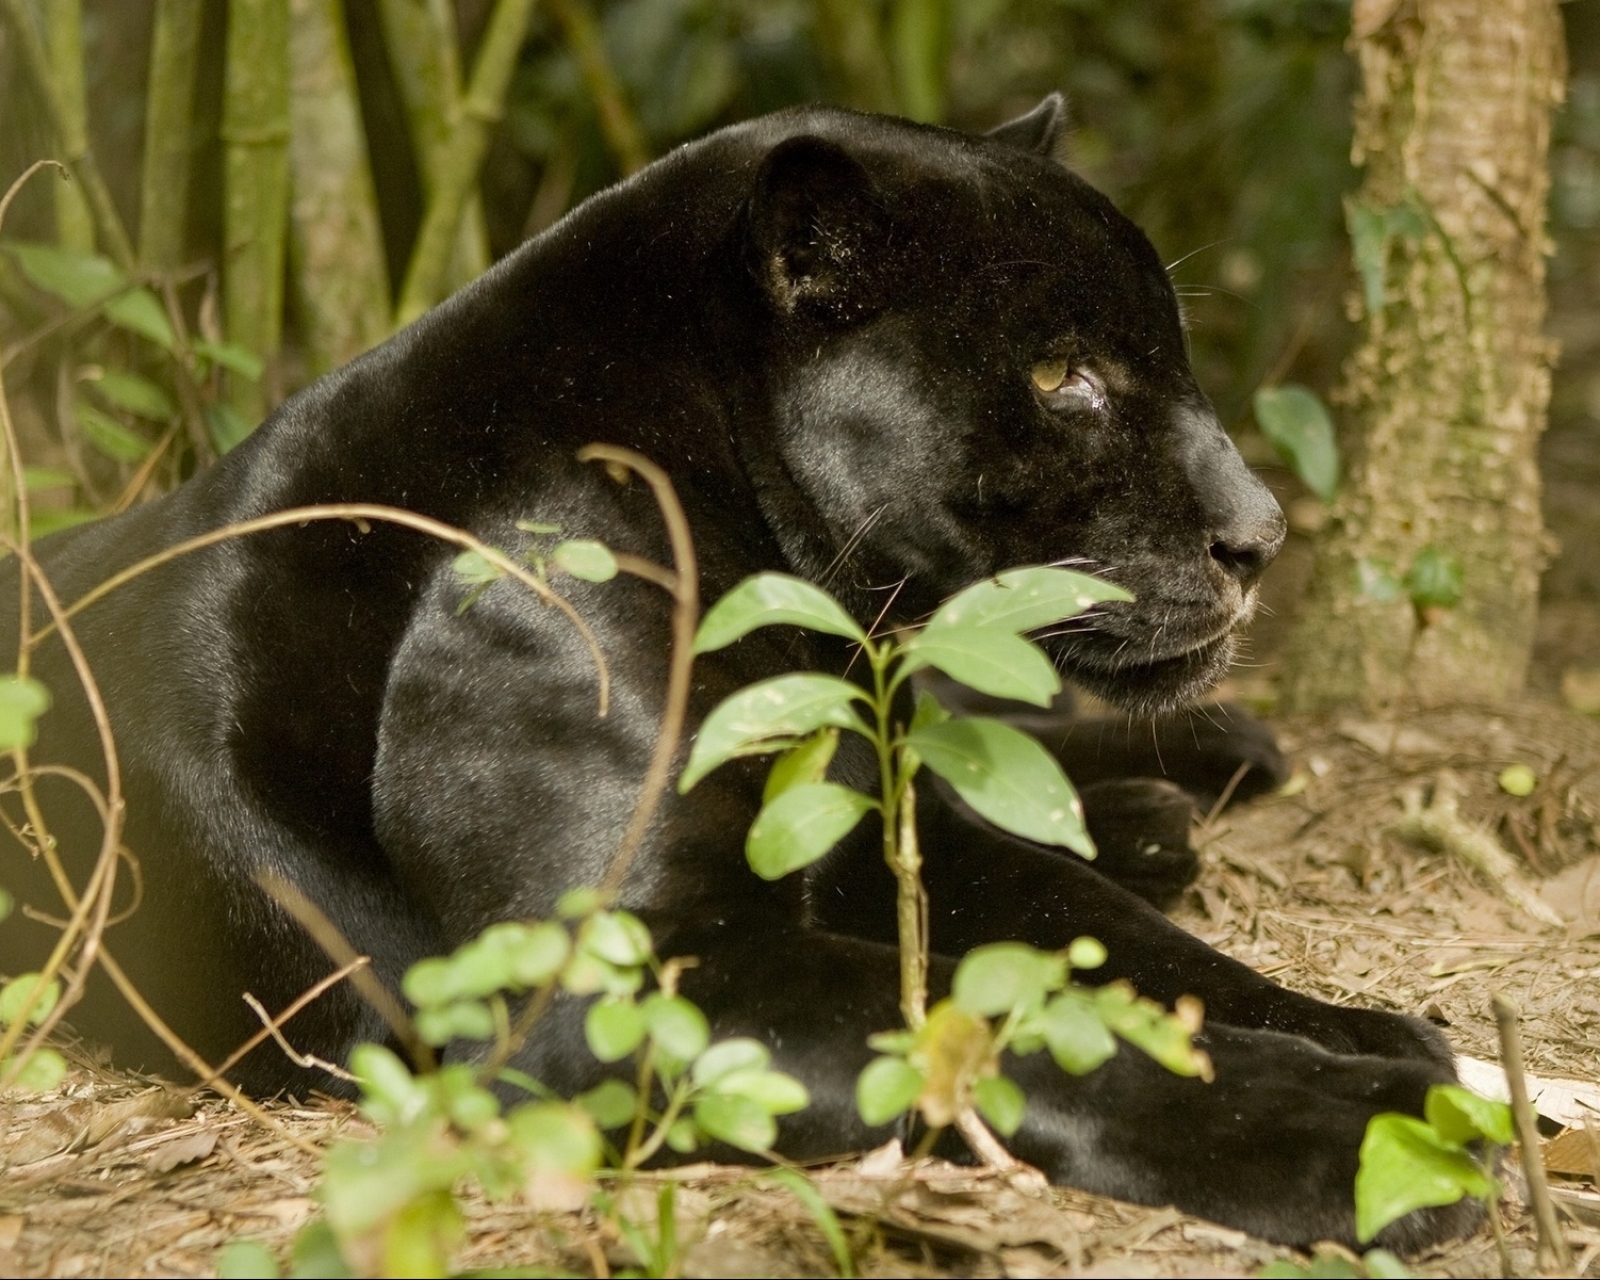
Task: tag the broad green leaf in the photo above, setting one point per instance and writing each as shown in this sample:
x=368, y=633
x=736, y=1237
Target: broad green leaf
x=227, y=427
x=1007, y=777
x=1000, y=1102
x=617, y=937
x=807, y=762
x=420, y=1238
x=1383, y=1265
x=1025, y=599
x=1075, y=1033
x=538, y=952
x=467, y=1019
x=557, y=1137
x=26, y=990
x=1434, y=580
x=737, y=1054
x=138, y=312
x=390, y=1093
x=135, y=394
x=78, y=279
x=1086, y=953
x=740, y=1122
x=783, y=708
x=927, y=711
x=769, y=599
x=801, y=825
x=886, y=1088
x=988, y=659
x=996, y=978
x=1148, y=1026
x=22, y=701
x=108, y=435
x=1405, y=1165
x=472, y=569
x=610, y=1104
x=613, y=1028
x=586, y=973
x=231, y=357
x=1297, y=424
x=315, y=1253
x=468, y=1104
x=775, y=1092
x=677, y=1026
x=44, y=1070
x=584, y=558
x=246, y=1260
x=584, y=900
x=1460, y=1116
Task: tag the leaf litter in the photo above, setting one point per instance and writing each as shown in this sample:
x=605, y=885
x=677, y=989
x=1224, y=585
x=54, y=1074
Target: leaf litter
x=117, y=1174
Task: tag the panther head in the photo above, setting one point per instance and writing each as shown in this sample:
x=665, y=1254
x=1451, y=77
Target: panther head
x=977, y=362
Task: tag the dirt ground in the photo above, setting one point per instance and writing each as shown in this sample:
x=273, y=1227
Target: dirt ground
x=114, y=1176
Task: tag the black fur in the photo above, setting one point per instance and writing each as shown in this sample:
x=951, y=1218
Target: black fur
x=823, y=325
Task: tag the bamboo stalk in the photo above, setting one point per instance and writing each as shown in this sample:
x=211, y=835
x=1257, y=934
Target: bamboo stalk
x=341, y=283
x=617, y=123
x=64, y=42
x=255, y=137
x=919, y=32
x=462, y=157
x=169, y=102
x=75, y=151
x=423, y=46
x=852, y=41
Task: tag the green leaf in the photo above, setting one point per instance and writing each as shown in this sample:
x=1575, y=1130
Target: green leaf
x=1377, y=582
x=232, y=357
x=1148, y=1026
x=1086, y=953
x=1025, y=599
x=586, y=973
x=996, y=978
x=537, y=953
x=138, y=312
x=227, y=427
x=1077, y=1036
x=315, y=1253
x=1369, y=246
x=1297, y=424
x=1460, y=1116
x=827, y=1221
x=737, y=1054
x=78, y=279
x=557, y=1137
x=135, y=394
x=537, y=526
x=1434, y=580
x=584, y=558
x=468, y=1019
x=1383, y=1265
x=617, y=937
x=473, y=569
x=43, y=522
x=677, y=1026
x=581, y=901
x=1405, y=1165
x=1007, y=777
x=44, y=1071
x=24, y=990
x=770, y=599
x=1000, y=1102
x=419, y=1238
x=775, y=1092
x=807, y=762
x=614, y=1028
x=683, y=1137
x=108, y=435
x=783, y=708
x=246, y=1260
x=988, y=659
x=22, y=701
x=390, y=1093
x=38, y=479
x=738, y=1121
x=610, y=1104
x=1518, y=780
x=886, y=1088
x=8, y=904
x=802, y=825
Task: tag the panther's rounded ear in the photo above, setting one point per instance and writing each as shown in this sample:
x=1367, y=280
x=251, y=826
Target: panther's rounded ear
x=1039, y=131
x=817, y=230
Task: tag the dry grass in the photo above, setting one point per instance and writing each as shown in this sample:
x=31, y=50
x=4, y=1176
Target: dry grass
x=117, y=1176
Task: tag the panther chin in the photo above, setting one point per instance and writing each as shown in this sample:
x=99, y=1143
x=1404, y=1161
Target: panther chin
x=1149, y=688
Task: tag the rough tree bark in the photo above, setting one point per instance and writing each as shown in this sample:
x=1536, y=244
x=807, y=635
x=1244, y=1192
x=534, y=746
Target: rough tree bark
x=1449, y=389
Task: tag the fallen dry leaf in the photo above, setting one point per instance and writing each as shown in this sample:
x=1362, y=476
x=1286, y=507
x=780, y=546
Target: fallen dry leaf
x=185, y=1150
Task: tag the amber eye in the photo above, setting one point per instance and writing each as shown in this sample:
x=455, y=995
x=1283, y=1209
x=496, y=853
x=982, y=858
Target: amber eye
x=1048, y=375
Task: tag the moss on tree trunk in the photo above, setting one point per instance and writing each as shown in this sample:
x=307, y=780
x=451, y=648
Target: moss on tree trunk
x=1448, y=391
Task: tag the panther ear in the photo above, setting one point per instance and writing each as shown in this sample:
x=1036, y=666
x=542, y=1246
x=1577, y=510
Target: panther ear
x=1039, y=131
x=817, y=230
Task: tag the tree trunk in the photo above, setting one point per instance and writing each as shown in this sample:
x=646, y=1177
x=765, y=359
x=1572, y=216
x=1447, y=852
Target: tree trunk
x=1449, y=389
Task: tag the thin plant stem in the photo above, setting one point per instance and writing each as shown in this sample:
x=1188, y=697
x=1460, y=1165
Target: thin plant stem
x=618, y=124
x=1553, y=1251
x=168, y=111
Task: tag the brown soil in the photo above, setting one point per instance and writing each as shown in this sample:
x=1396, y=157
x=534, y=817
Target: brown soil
x=116, y=1177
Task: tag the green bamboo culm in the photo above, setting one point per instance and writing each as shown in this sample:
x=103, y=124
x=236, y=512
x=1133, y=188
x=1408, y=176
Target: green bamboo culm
x=255, y=138
x=621, y=130
x=169, y=104
x=338, y=272
x=64, y=40
x=919, y=33
x=73, y=144
x=463, y=157
x=423, y=47
x=852, y=40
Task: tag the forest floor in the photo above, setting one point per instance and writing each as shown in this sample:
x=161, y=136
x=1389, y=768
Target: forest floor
x=116, y=1176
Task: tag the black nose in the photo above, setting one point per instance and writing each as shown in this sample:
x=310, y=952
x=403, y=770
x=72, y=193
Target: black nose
x=1250, y=543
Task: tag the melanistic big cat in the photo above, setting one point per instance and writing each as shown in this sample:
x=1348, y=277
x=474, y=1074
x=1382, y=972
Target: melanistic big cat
x=823, y=325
